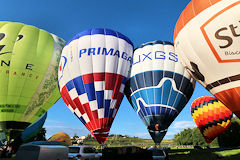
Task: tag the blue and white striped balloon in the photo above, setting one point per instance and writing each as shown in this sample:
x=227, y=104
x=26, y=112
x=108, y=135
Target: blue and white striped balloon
x=159, y=86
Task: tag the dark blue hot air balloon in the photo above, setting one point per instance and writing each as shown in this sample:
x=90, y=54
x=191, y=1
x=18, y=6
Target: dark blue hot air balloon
x=159, y=86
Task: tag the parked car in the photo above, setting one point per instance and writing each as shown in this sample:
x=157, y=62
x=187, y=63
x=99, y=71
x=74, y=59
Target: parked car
x=83, y=153
x=158, y=153
x=42, y=152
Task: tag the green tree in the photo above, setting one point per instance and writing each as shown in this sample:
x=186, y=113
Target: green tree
x=197, y=138
x=230, y=138
x=75, y=136
x=89, y=138
x=186, y=137
x=177, y=138
x=41, y=135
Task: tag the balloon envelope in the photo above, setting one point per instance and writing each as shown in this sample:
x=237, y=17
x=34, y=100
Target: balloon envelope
x=159, y=86
x=207, y=41
x=29, y=60
x=34, y=128
x=211, y=117
x=62, y=137
x=92, y=74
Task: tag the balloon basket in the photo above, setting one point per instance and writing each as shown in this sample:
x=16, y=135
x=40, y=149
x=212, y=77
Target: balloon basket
x=157, y=145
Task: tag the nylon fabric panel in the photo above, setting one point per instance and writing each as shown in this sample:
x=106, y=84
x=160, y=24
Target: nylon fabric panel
x=194, y=8
x=47, y=93
x=11, y=32
x=31, y=60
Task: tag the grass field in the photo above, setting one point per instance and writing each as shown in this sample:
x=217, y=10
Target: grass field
x=206, y=154
x=174, y=153
x=118, y=141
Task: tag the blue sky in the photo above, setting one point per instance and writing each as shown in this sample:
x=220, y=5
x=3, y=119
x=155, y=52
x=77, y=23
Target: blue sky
x=141, y=21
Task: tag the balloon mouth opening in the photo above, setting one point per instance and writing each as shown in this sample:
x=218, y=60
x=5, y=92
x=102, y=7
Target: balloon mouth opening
x=208, y=140
x=156, y=128
x=101, y=135
x=158, y=131
x=157, y=136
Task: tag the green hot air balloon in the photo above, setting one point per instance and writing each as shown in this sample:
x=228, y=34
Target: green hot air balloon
x=29, y=60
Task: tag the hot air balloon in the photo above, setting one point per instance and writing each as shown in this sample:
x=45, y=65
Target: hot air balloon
x=92, y=74
x=33, y=129
x=29, y=60
x=159, y=86
x=211, y=117
x=207, y=41
x=61, y=137
x=28, y=134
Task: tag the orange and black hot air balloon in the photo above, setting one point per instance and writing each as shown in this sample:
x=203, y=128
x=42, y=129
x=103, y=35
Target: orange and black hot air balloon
x=211, y=117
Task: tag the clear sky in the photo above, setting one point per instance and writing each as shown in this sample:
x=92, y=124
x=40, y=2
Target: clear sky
x=141, y=21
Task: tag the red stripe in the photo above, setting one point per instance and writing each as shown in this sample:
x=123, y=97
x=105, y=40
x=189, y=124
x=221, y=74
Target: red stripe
x=117, y=86
x=88, y=111
x=68, y=99
x=109, y=77
x=79, y=105
x=96, y=124
x=101, y=122
x=64, y=99
x=99, y=77
x=110, y=80
x=95, y=114
x=88, y=126
x=88, y=78
x=119, y=100
x=93, y=77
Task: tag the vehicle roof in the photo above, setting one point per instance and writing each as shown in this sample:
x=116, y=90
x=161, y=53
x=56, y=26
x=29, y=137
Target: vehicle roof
x=81, y=146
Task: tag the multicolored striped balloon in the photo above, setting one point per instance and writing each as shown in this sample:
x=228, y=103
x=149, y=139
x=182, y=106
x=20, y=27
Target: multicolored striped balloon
x=92, y=74
x=211, y=117
x=159, y=86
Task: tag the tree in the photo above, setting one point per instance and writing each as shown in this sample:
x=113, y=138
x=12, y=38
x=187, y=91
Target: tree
x=230, y=138
x=177, y=138
x=75, y=136
x=89, y=138
x=41, y=135
x=197, y=138
x=184, y=137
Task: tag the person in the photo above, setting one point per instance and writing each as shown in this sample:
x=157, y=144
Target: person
x=4, y=151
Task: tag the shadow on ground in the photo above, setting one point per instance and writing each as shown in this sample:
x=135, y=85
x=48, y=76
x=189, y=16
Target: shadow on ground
x=205, y=154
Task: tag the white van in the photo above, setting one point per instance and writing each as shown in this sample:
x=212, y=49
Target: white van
x=42, y=152
x=83, y=153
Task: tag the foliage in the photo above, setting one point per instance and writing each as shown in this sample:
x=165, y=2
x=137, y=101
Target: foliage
x=75, y=136
x=184, y=137
x=197, y=138
x=230, y=138
x=89, y=138
x=40, y=136
x=191, y=137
